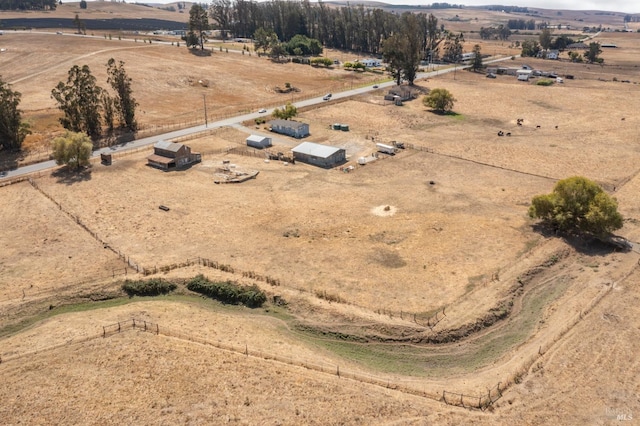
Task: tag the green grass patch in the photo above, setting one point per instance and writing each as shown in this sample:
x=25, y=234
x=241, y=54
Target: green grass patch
x=434, y=361
x=544, y=82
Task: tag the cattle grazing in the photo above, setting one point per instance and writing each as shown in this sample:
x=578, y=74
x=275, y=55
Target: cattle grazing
x=538, y=126
x=500, y=133
x=508, y=133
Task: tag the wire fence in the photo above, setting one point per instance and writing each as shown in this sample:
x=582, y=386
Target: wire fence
x=124, y=257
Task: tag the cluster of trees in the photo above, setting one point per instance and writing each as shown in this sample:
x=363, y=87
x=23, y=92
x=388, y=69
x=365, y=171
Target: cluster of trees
x=532, y=47
x=28, y=4
x=299, y=45
x=87, y=106
x=13, y=130
x=499, y=33
x=521, y=24
x=349, y=27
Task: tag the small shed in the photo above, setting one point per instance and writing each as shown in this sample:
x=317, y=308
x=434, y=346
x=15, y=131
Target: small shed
x=319, y=155
x=169, y=155
x=290, y=128
x=257, y=141
x=106, y=159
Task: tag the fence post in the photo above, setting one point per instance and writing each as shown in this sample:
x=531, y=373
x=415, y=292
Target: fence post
x=145, y=326
x=104, y=331
x=444, y=397
x=246, y=350
x=118, y=326
x=134, y=322
x=157, y=329
x=338, y=370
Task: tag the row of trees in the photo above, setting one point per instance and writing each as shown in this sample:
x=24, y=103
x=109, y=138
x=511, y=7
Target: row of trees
x=87, y=106
x=349, y=27
x=28, y=4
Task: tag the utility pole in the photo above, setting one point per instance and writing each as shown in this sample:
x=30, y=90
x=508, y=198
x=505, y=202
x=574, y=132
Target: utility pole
x=204, y=99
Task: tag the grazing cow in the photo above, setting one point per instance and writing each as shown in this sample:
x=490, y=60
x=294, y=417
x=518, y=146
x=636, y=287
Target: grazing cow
x=538, y=126
x=556, y=127
x=500, y=133
x=508, y=133
x=622, y=118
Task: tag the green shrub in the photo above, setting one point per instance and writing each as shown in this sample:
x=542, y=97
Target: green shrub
x=544, y=82
x=152, y=287
x=228, y=291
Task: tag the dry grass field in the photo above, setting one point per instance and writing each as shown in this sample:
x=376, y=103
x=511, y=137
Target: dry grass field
x=364, y=259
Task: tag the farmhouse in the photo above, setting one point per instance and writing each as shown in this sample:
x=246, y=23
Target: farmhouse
x=290, y=128
x=319, y=155
x=169, y=155
x=257, y=141
x=404, y=93
x=370, y=62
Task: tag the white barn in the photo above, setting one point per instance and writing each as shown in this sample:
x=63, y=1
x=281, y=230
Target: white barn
x=319, y=155
x=257, y=141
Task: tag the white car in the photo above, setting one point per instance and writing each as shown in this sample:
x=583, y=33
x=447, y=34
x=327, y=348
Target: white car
x=262, y=111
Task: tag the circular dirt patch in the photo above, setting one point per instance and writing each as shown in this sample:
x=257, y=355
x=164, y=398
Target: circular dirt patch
x=384, y=210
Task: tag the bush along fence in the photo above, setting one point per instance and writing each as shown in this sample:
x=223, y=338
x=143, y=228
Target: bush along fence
x=481, y=402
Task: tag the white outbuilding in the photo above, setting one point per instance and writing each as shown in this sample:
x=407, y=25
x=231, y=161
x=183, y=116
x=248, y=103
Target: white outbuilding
x=257, y=141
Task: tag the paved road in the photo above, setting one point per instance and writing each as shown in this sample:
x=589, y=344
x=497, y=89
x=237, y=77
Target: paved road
x=233, y=121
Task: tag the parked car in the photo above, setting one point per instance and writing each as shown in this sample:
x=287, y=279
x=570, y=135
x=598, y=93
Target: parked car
x=375, y=86
x=326, y=97
x=491, y=75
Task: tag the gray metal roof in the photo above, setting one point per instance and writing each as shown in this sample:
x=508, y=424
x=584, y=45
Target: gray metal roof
x=169, y=146
x=316, y=150
x=287, y=123
x=256, y=138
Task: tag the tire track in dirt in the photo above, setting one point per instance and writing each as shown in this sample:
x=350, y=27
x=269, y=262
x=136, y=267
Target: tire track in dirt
x=74, y=60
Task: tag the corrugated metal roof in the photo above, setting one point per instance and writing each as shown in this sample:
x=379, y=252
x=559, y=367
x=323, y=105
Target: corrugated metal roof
x=256, y=138
x=316, y=150
x=286, y=123
x=169, y=146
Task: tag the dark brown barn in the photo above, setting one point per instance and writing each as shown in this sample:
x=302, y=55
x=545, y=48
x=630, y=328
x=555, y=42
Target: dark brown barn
x=169, y=155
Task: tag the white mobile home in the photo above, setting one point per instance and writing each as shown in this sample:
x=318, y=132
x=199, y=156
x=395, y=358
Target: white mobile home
x=387, y=149
x=523, y=75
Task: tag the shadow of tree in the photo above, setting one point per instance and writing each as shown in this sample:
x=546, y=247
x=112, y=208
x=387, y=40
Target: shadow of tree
x=69, y=177
x=9, y=160
x=198, y=52
x=583, y=243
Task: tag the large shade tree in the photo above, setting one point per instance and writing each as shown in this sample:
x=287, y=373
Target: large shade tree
x=80, y=99
x=198, y=25
x=73, y=149
x=441, y=100
x=12, y=129
x=578, y=205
